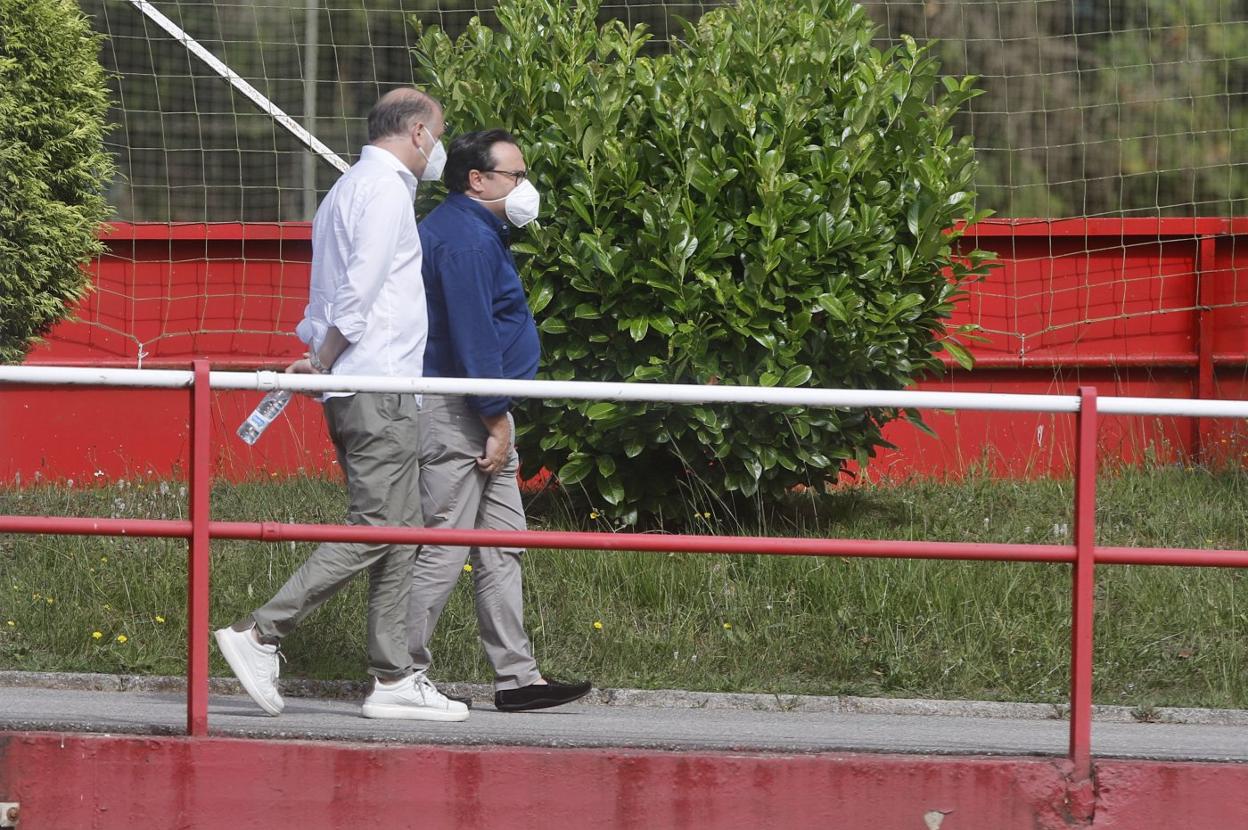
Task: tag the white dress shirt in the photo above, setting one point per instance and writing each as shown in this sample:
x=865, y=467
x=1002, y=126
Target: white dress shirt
x=366, y=278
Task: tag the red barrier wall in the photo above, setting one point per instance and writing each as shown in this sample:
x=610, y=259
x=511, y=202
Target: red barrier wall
x=1132, y=306
x=102, y=782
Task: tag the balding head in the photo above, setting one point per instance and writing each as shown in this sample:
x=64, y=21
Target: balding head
x=399, y=111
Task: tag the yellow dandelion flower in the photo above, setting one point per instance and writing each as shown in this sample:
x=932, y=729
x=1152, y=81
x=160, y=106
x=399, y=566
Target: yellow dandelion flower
x=95, y=635
x=104, y=560
x=706, y=515
x=598, y=625
x=50, y=600
x=160, y=619
x=12, y=623
x=727, y=626
x=121, y=638
x=467, y=568
x=593, y=514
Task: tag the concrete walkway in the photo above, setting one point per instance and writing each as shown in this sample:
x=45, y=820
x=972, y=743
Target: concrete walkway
x=634, y=719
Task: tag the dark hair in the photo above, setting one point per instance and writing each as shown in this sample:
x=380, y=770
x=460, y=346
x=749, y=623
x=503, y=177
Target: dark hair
x=397, y=111
x=472, y=151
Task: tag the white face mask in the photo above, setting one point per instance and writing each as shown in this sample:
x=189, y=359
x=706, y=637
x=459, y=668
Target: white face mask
x=521, y=204
x=434, y=162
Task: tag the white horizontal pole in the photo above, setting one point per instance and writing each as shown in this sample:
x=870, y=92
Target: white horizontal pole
x=82, y=376
x=651, y=392
x=1172, y=406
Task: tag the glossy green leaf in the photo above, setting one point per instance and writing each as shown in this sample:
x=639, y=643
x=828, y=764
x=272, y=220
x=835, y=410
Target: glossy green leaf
x=796, y=376
x=958, y=353
x=599, y=411
x=577, y=467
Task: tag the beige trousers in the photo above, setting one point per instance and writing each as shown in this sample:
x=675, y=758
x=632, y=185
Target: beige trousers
x=374, y=434
x=455, y=494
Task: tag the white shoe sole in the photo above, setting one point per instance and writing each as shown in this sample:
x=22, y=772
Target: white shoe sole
x=238, y=665
x=398, y=711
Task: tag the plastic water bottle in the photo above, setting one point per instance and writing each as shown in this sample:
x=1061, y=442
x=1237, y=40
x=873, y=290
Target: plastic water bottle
x=263, y=415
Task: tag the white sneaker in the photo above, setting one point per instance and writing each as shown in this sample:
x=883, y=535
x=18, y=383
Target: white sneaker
x=255, y=666
x=412, y=698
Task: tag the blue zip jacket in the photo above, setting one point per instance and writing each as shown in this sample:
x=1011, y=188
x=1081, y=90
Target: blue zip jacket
x=480, y=325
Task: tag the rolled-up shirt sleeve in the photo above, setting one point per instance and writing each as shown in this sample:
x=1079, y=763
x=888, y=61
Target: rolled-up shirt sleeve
x=310, y=330
x=370, y=226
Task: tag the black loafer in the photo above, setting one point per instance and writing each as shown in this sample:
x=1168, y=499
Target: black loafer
x=540, y=696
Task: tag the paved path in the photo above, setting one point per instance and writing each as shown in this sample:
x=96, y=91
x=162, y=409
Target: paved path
x=738, y=723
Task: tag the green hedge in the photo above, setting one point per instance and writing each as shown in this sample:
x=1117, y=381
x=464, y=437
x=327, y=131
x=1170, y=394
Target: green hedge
x=769, y=202
x=53, y=166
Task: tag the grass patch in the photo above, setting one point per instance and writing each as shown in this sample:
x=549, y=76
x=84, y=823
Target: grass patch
x=996, y=631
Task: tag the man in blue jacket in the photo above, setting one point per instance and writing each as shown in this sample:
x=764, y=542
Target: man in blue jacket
x=480, y=326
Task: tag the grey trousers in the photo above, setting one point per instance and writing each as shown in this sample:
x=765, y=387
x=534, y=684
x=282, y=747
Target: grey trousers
x=454, y=493
x=375, y=435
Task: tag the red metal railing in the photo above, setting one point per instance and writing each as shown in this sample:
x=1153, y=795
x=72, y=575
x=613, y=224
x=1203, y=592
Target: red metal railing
x=1082, y=583
x=200, y=529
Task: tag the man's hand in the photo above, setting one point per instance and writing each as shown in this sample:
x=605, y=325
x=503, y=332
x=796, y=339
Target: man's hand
x=335, y=344
x=497, y=444
x=303, y=366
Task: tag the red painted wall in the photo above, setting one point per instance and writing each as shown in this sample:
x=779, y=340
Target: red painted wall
x=101, y=782
x=1134, y=307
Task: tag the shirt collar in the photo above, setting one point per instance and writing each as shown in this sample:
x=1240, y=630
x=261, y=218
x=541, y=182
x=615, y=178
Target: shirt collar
x=372, y=152
x=481, y=212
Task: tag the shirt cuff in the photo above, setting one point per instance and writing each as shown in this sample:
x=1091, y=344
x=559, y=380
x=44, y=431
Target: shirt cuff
x=489, y=407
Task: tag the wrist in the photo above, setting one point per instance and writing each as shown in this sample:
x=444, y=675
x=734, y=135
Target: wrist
x=315, y=360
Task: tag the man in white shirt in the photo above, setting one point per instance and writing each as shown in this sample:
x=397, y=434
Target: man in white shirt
x=365, y=316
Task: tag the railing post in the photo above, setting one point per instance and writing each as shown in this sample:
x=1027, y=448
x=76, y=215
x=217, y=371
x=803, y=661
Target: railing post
x=1083, y=584
x=198, y=554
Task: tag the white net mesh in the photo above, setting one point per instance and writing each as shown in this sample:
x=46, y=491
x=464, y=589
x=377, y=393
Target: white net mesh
x=1091, y=107
x=1098, y=107
x=191, y=148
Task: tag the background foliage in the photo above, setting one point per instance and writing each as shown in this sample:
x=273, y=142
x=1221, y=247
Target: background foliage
x=767, y=203
x=1129, y=107
x=53, y=166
